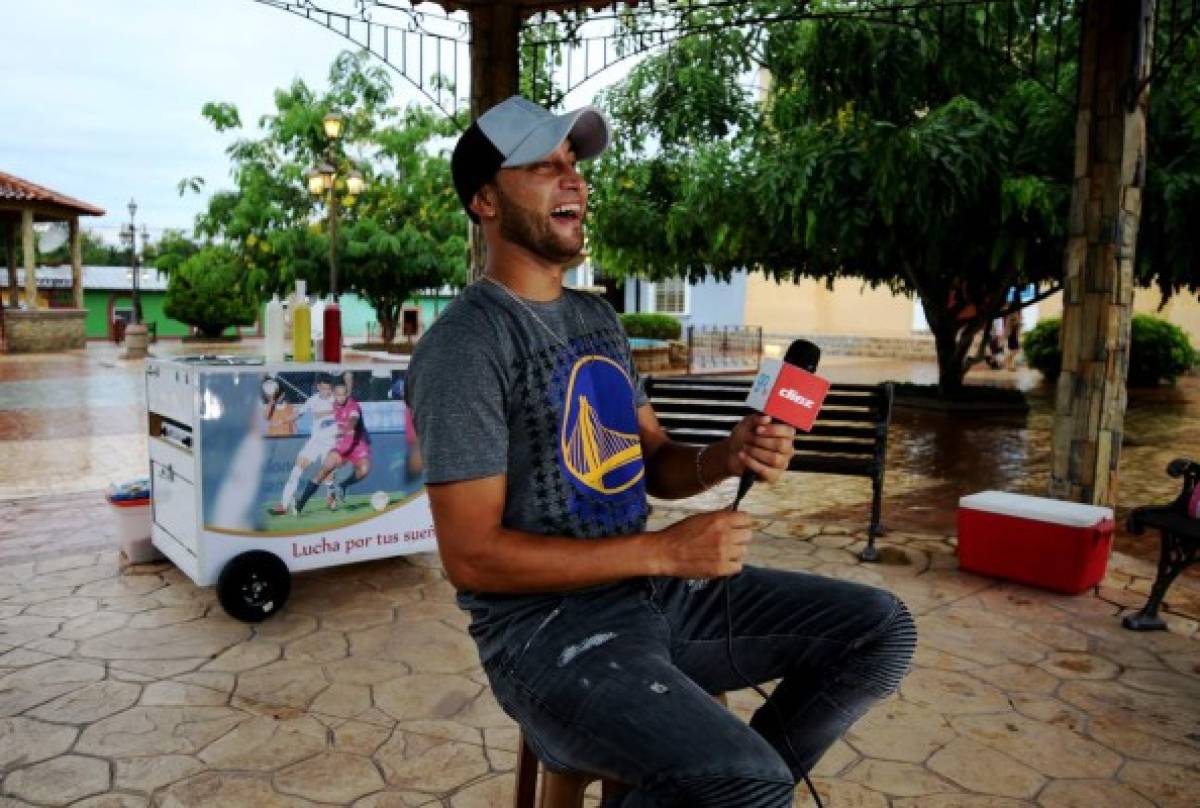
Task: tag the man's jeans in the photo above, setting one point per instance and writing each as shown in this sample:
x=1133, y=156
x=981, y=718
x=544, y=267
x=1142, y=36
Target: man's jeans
x=616, y=681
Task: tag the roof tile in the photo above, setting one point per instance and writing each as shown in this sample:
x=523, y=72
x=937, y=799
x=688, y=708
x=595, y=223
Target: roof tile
x=15, y=189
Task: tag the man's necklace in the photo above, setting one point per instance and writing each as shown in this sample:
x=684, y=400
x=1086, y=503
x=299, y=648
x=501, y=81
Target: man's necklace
x=517, y=298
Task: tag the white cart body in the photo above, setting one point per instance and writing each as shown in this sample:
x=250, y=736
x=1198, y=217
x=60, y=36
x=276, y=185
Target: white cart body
x=216, y=469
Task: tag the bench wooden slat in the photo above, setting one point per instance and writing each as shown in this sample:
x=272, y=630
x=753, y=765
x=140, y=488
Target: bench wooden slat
x=691, y=382
x=737, y=401
x=848, y=438
x=847, y=447
x=841, y=416
x=855, y=467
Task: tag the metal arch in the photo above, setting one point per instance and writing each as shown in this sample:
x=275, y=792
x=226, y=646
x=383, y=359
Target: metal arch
x=379, y=39
x=1011, y=43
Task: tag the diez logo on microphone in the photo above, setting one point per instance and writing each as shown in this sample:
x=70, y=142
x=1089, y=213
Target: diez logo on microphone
x=794, y=397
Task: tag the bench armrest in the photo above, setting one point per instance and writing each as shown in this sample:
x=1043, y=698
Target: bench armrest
x=1189, y=470
x=1183, y=467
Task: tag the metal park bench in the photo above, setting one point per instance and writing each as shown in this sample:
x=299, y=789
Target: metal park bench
x=1180, y=542
x=848, y=438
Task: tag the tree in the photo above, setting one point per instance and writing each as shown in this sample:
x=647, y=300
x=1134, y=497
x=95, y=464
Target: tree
x=881, y=153
x=1168, y=251
x=171, y=250
x=405, y=233
x=209, y=290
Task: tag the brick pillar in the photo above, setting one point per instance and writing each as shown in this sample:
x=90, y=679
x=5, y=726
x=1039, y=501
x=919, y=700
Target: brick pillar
x=1106, y=202
x=10, y=248
x=495, y=65
x=76, y=264
x=31, y=300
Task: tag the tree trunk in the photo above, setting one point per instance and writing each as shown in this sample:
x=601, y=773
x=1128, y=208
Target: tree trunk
x=952, y=339
x=495, y=66
x=951, y=355
x=1110, y=149
x=388, y=316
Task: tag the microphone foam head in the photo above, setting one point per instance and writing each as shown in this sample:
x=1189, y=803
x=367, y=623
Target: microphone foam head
x=803, y=354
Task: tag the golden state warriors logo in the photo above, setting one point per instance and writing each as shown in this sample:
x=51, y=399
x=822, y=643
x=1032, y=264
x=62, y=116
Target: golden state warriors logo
x=599, y=445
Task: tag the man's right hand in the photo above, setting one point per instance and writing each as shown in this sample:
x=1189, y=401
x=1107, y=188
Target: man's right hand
x=707, y=545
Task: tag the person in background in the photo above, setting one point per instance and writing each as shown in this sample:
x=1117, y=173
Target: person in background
x=1012, y=333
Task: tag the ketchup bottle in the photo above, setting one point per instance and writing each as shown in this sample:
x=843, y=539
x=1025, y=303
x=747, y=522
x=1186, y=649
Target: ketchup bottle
x=332, y=346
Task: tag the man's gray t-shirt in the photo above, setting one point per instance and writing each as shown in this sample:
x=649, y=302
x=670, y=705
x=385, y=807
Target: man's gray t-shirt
x=543, y=392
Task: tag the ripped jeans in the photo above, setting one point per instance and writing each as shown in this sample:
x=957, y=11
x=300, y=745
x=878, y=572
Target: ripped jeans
x=616, y=681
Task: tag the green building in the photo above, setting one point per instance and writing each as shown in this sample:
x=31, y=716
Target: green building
x=108, y=299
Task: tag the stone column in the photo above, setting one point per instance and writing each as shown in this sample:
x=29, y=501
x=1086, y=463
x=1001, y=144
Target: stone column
x=10, y=248
x=495, y=66
x=76, y=264
x=1106, y=202
x=31, y=300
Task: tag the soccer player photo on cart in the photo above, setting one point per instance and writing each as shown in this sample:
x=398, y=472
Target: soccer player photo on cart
x=333, y=451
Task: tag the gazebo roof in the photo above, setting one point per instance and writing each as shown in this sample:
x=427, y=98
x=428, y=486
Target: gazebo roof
x=14, y=190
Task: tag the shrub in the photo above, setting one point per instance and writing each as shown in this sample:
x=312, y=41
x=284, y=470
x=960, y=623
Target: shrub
x=1041, y=347
x=651, y=326
x=208, y=290
x=1158, y=350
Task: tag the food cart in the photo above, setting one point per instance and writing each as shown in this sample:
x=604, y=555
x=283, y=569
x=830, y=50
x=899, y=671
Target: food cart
x=233, y=445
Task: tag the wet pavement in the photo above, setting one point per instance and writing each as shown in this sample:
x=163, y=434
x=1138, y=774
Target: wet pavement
x=127, y=686
x=73, y=423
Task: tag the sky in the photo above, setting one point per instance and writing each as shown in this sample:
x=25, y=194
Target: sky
x=101, y=101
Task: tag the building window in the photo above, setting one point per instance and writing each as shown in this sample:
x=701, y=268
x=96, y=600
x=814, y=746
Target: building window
x=671, y=296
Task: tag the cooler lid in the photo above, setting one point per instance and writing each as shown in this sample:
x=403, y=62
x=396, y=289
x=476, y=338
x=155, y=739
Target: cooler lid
x=1054, y=511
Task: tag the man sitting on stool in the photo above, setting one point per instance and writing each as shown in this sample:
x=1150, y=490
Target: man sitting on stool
x=602, y=639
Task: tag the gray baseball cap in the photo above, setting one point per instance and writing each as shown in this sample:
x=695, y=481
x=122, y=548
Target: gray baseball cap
x=517, y=132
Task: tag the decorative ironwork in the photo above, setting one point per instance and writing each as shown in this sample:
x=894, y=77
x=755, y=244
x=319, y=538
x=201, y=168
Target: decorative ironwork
x=1180, y=543
x=429, y=50
x=724, y=349
x=1035, y=37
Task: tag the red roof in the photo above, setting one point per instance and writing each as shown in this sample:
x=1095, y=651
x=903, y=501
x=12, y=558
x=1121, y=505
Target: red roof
x=15, y=189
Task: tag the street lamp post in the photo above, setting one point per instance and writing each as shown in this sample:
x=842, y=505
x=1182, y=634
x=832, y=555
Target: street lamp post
x=135, y=332
x=322, y=181
x=129, y=234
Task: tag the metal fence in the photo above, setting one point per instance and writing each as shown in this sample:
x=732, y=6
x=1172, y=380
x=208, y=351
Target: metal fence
x=724, y=349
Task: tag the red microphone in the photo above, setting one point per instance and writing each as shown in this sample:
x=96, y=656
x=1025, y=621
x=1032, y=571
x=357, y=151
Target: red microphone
x=787, y=391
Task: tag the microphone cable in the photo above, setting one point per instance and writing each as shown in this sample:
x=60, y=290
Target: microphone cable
x=743, y=487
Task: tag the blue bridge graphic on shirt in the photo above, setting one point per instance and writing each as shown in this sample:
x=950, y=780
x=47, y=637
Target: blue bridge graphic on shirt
x=605, y=458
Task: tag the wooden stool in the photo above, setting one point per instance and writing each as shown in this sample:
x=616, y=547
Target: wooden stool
x=559, y=790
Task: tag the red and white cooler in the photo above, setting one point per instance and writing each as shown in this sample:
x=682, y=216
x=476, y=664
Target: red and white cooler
x=1047, y=543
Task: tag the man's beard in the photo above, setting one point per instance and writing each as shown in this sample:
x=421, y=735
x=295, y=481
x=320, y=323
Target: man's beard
x=527, y=229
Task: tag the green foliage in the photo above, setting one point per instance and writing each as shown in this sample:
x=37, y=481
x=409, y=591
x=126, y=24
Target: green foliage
x=95, y=252
x=1042, y=347
x=880, y=152
x=171, y=250
x=651, y=326
x=208, y=290
x=404, y=233
x=1159, y=350
x=1168, y=249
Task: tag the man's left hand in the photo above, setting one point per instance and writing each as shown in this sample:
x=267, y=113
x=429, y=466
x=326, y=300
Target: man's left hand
x=762, y=445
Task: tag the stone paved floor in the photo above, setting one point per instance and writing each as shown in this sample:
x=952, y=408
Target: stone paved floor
x=131, y=688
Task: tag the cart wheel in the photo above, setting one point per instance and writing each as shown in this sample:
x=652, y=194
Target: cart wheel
x=253, y=586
